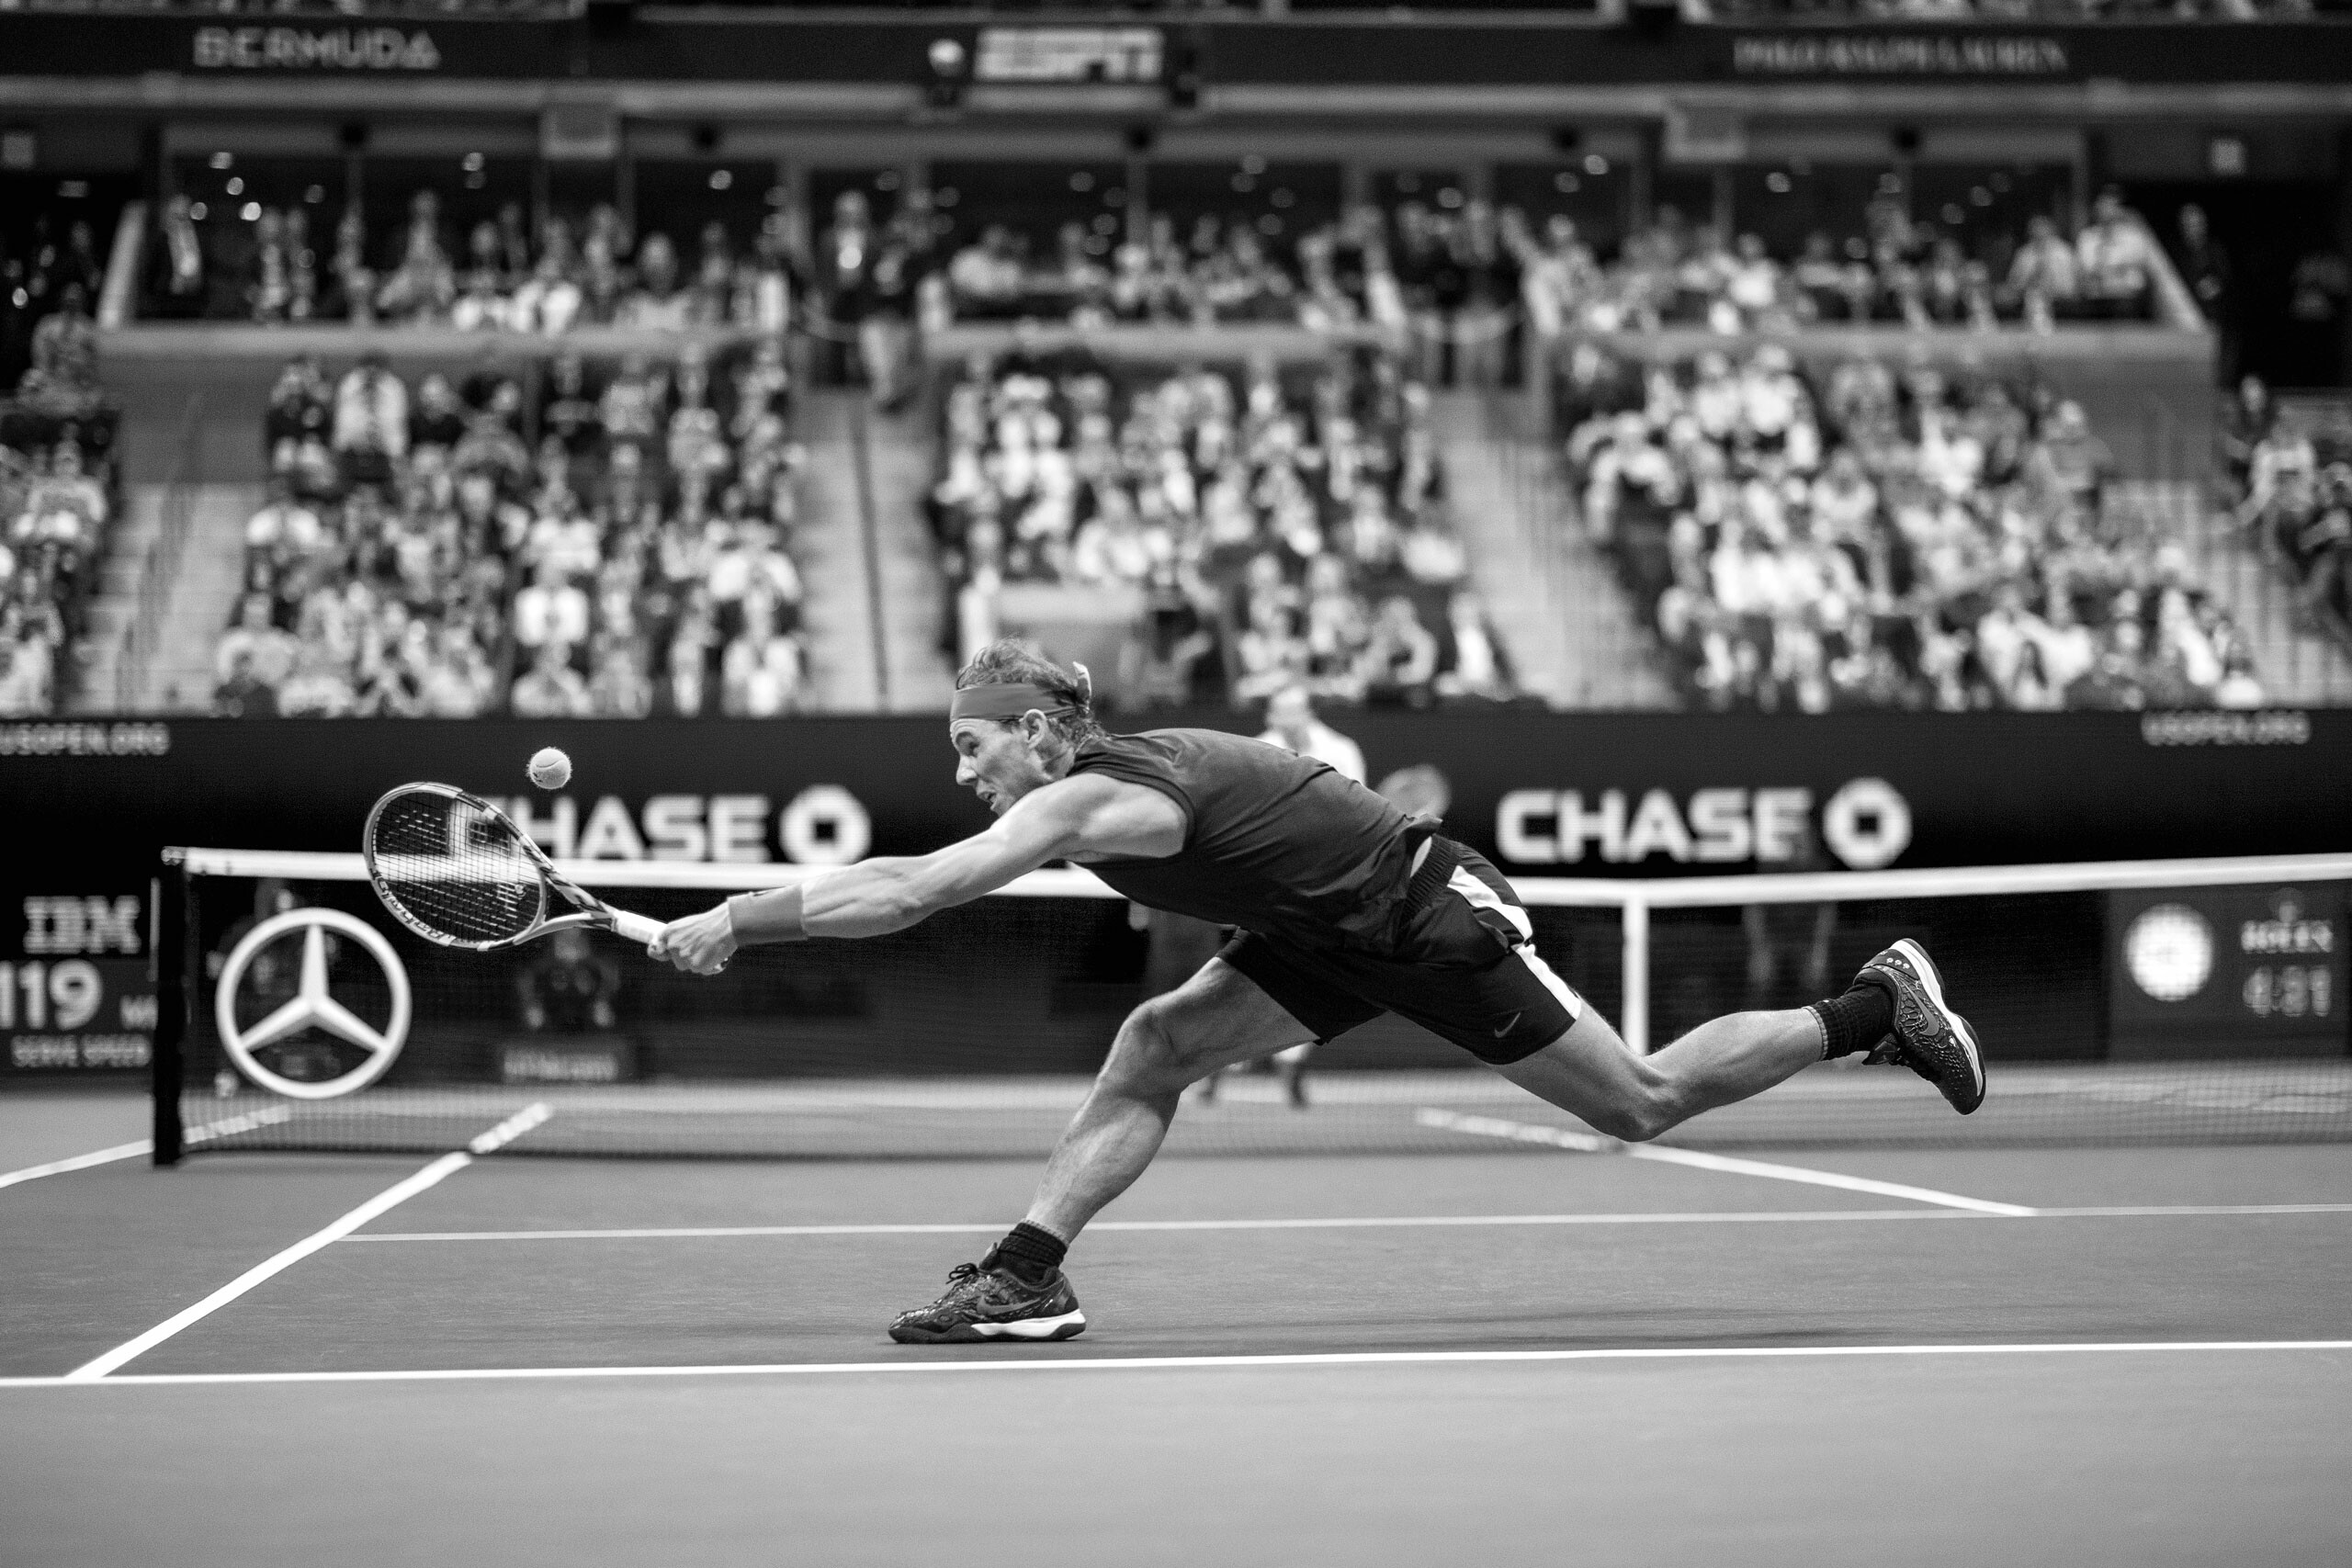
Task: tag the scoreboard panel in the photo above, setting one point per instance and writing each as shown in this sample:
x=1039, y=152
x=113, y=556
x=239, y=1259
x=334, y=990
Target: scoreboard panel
x=2223, y=972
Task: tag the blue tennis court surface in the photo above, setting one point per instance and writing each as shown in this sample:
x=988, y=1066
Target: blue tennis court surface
x=1528, y=1355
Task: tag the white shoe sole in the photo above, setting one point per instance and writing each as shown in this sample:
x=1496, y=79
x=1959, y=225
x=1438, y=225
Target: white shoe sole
x=1926, y=969
x=1033, y=1327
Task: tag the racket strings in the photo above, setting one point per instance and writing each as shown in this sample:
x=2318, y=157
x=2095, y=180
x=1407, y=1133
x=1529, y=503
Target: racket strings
x=454, y=868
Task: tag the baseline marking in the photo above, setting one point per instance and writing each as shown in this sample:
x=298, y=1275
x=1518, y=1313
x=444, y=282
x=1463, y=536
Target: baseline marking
x=221, y=1129
x=1593, y=1143
x=1385, y=1221
x=1150, y=1363
x=391, y=1197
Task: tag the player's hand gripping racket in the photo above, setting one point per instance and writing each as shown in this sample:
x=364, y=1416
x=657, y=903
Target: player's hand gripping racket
x=455, y=869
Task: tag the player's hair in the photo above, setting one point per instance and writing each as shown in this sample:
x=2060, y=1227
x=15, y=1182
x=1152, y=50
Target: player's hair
x=1012, y=661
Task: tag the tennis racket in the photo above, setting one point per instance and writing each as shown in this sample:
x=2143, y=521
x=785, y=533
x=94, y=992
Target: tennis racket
x=455, y=869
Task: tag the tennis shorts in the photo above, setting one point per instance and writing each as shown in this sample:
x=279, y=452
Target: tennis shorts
x=1464, y=967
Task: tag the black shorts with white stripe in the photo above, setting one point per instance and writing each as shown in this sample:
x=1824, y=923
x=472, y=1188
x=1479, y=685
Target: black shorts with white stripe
x=1464, y=966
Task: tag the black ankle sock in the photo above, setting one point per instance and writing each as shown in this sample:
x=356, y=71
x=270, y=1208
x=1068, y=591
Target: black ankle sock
x=1855, y=1021
x=1028, y=1251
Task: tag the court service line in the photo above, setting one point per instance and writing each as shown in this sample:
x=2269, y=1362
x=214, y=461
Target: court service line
x=1378, y=1222
x=134, y=1149
x=1034, y=1363
x=1593, y=1143
x=400, y=1192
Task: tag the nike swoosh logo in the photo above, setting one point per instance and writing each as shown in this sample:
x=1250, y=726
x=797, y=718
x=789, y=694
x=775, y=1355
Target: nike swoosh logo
x=1509, y=1024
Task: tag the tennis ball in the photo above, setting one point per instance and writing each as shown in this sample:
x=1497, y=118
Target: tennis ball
x=551, y=769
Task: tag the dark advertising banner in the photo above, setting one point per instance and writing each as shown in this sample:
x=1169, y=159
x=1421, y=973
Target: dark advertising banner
x=1528, y=50
x=1596, y=794
x=1543, y=794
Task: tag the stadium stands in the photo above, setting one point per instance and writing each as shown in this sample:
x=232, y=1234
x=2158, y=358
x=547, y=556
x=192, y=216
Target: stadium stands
x=420, y=556
x=1271, y=528
x=1918, y=541
x=1453, y=274
x=1891, y=267
x=264, y=264
x=57, y=496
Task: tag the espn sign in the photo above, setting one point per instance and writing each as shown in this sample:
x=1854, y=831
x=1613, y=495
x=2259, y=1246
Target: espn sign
x=1068, y=54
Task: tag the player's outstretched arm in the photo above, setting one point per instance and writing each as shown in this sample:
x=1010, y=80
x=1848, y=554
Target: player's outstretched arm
x=1087, y=814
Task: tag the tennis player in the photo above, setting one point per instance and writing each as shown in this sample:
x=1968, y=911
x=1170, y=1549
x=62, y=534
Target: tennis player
x=1347, y=908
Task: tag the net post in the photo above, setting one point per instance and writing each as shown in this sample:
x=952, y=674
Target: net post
x=1634, y=1012
x=170, y=953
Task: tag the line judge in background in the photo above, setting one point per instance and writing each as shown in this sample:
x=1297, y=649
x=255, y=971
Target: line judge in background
x=1291, y=724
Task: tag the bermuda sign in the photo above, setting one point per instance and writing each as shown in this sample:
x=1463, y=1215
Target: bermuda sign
x=314, y=48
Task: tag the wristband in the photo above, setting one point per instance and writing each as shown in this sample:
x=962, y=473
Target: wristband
x=773, y=916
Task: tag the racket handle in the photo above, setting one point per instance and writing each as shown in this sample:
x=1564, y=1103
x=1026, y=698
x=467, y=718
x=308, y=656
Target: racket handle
x=639, y=929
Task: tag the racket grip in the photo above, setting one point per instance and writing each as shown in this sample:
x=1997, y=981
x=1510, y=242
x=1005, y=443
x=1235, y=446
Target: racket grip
x=639, y=929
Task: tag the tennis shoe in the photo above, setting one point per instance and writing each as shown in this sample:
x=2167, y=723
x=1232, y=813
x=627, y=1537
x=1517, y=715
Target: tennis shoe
x=993, y=1303
x=1930, y=1038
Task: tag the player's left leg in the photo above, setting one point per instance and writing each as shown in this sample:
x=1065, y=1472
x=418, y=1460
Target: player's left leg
x=1589, y=1072
x=1898, y=1000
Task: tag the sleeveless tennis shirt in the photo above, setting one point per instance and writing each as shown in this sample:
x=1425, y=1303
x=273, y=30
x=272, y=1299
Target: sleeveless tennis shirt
x=1274, y=842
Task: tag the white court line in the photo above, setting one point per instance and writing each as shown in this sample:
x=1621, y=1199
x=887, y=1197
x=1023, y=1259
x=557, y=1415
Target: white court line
x=78, y=1162
x=391, y=1197
x=145, y=1146
x=1163, y=1363
x=1384, y=1221
x=1593, y=1143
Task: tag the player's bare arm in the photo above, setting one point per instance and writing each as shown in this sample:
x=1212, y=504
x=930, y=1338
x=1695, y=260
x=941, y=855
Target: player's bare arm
x=1076, y=817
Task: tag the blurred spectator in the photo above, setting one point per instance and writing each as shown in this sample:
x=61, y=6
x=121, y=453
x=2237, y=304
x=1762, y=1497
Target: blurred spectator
x=2204, y=268
x=63, y=380
x=551, y=689
x=176, y=284
x=1478, y=665
x=2245, y=422
x=1292, y=725
x=568, y=988
x=370, y=421
x=2117, y=260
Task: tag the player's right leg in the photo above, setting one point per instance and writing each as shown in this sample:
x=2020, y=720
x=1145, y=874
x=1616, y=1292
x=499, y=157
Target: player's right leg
x=1216, y=1018
x=1018, y=1291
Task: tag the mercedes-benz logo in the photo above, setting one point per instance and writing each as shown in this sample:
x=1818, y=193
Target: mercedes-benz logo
x=313, y=1004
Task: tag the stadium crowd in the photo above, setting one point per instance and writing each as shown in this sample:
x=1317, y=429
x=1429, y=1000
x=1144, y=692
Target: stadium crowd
x=2289, y=483
x=1283, y=529
x=56, y=498
x=273, y=268
x=1878, y=540
x=1893, y=268
x=613, y=542
x=1454, y=278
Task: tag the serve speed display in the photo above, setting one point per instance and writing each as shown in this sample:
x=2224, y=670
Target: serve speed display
x=2227, y=972
x=74, y=990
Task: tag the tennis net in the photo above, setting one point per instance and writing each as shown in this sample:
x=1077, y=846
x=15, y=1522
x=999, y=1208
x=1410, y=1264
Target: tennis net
x=2178, y=1001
